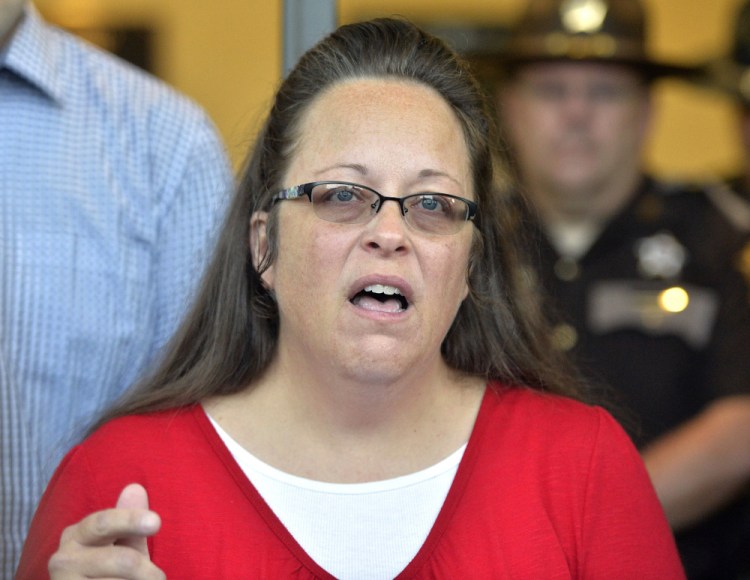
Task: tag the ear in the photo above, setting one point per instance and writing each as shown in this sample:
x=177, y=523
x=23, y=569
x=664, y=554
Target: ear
x=467, y=279
x=259, y=245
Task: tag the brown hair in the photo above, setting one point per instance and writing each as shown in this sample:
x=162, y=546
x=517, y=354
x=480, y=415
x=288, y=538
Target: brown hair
x=229, y=336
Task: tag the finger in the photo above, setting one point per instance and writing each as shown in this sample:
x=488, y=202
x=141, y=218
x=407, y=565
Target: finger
x=103, y=562
x=106, y=527
x=134, y=496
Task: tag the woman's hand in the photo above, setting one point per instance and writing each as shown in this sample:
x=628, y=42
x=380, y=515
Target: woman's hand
x=110, y=543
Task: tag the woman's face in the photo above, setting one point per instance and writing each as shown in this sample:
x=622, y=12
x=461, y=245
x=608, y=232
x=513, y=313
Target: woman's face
x=398, y=138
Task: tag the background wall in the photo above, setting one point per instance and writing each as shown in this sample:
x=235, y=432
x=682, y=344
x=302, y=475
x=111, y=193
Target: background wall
x=226, y=54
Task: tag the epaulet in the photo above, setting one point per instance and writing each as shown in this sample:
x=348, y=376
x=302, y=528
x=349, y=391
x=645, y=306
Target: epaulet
x=730, y=204
x=671, y=187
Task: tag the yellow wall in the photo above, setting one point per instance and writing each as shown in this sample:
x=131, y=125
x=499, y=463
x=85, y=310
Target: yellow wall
x=226, y=55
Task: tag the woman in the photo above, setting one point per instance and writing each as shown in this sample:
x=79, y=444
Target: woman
x=345, y=398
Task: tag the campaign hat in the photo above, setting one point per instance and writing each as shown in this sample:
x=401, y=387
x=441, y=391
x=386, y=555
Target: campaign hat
x=608, y=31
x=731, y=73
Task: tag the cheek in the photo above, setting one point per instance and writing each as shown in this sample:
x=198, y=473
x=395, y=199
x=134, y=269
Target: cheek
x=451, y=273
x=465, y=287
x=308, y=258
x=624, y=139
x=628, y=125
x=296, y=280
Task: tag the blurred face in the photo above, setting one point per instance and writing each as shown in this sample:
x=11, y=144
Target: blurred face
x=371, y=301
x=577, y=130
x=10, y=13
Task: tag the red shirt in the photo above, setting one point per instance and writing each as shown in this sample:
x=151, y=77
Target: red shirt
x=547, y=488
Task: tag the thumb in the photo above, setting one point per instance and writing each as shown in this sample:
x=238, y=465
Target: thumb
x=134, y=496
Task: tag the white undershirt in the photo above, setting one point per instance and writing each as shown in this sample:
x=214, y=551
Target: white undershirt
x=353, y=530
x=573, y=240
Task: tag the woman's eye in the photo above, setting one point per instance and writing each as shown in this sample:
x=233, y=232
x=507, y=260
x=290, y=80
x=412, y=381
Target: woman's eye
x=338, y=195
x=344, y=195
x=431, y=204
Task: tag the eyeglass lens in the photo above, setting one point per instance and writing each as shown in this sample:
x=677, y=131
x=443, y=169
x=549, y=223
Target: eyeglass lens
x=428, y=212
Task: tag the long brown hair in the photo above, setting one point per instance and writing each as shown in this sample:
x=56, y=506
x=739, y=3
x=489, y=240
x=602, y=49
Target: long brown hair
x=229, y=336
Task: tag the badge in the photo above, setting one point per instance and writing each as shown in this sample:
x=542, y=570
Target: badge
x=585, y=16
x=660, y=256
x=653, y=308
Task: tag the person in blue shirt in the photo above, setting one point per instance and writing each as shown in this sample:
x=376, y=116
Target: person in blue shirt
x=111, y=188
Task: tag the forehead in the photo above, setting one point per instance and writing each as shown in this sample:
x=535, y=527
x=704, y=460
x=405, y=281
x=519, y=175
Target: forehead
x=364, y=102
x=566, y=71
x=386, y=124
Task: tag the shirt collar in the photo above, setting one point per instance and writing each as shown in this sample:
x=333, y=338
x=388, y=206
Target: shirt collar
x=35, y=54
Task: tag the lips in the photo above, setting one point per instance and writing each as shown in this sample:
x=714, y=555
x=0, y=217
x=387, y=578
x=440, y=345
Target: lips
x=381, y=298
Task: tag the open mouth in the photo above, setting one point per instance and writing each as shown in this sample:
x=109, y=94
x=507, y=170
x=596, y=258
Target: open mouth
x=380, y=298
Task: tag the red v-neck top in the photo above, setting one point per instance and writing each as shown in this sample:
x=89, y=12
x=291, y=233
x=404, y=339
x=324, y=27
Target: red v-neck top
x=547, y=488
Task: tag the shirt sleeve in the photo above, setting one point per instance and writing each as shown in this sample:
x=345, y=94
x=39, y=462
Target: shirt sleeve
x=728, y=372
x=624, y=530
x=189, y=226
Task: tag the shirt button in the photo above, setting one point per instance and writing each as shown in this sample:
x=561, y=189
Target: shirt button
x=567, y=269
x=564, y=337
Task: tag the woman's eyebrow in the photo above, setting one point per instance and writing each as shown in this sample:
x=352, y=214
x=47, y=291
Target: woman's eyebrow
x=429, y=173
x=358, y=167
x=426, y=173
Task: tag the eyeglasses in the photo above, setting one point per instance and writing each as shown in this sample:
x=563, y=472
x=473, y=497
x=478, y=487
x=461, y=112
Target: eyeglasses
x=349, y=203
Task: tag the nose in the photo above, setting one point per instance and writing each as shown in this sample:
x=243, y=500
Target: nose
x=577, y=105
x=395, y=201
x=387, y=228
x=577, y=96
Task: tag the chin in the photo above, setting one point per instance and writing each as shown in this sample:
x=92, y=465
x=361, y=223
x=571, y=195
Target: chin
x=376, y=377
x=378, y=365
x=576, y=188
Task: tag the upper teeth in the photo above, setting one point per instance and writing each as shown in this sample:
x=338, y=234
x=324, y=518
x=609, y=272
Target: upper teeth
x=381, y=289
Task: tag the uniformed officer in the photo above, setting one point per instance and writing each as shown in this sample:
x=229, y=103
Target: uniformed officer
x=649, y=277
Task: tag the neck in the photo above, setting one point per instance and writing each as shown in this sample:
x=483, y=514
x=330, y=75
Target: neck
x=348, y=431
x=589, y=206
x=358, y=404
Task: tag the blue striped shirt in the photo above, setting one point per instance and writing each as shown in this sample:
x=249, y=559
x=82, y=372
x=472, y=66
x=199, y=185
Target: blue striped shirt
x=111, y=190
